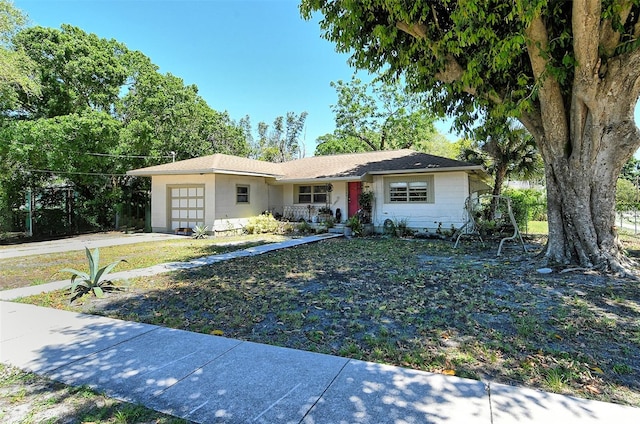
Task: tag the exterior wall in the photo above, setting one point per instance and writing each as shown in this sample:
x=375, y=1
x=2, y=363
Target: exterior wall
x=276, y=199
x=160, y=198
x=450, y=191
x=338, y=199
x=228, y=213
x=221, y=212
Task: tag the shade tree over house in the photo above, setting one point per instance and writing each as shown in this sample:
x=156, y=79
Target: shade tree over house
x=568, y=71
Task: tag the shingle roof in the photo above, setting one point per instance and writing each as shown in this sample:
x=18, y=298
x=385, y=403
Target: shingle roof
x=347, y=166
x=218, y=163
x=360, y=164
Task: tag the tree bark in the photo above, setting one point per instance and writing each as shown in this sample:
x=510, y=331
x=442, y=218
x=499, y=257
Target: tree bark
x=499, y=177
x=581, y=175
x=584, y=144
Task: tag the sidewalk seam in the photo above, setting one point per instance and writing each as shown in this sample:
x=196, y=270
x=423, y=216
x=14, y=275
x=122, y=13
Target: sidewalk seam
x=333, y=380
x=52, y=371
x=196, y=369
x=488, y=385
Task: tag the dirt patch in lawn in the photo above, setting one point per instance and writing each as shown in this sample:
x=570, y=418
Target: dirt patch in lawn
x=413, y=303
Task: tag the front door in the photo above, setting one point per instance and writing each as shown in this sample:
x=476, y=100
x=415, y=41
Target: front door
x=354, y=195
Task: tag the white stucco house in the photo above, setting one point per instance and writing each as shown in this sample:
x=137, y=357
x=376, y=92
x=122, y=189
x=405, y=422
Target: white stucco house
x=223, y=191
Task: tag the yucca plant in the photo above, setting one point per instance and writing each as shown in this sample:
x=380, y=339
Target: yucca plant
x=94, y=281
x=200, y=232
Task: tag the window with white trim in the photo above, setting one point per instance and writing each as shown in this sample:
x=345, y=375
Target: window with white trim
x=415, y=189
x=312, y=193
x=242, y=193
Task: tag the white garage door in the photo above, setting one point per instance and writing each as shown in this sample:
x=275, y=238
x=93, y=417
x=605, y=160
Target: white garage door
x=187, y=206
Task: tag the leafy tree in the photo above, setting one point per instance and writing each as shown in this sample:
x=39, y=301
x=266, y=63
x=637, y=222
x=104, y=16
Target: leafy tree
x=162, y=114
x=377, y=116
x=569, y=71
x=103, y=109
x=631, y=170
x=627, y=195
x=281, y=141
x=331, y=144
x=505, y=149
x=79, y=71
x=18, y=70
x=66, y=149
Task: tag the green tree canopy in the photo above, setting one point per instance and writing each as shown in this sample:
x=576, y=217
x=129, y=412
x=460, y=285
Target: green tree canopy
x=79, y=71
x=103, y=110
x=18, y=70
x=569, y=71
x=279, y=142
x=379, y=116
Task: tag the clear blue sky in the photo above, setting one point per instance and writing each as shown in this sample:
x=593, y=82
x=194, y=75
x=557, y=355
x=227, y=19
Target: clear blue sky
x=248, y=57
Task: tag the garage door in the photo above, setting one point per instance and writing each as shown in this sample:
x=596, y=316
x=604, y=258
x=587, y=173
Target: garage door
x=187, y=206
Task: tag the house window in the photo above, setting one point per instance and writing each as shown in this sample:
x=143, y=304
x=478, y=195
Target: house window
x=409, y=190
x=242, y=194
x=312, y=193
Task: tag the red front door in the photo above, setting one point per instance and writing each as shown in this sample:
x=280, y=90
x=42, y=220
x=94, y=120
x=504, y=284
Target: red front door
x=354, y=195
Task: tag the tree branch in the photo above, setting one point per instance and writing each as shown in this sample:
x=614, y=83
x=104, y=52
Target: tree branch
x=552, y=109
x=418, y=31
x=585, y=20
x=452, y=70
x=364, y=139
x=610, y=37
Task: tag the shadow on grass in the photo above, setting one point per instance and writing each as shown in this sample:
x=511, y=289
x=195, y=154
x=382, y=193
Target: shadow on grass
x=416, y=304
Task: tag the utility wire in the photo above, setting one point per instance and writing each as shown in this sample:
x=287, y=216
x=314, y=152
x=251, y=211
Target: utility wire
x=45, y=171
x=172, y=155
x=129, y=156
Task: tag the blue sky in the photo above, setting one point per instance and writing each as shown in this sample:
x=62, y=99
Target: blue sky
x=248, y=57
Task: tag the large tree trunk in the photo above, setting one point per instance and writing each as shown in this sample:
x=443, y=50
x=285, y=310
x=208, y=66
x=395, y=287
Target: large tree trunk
x=581, y=175
x=584, y=138
x=581, y=210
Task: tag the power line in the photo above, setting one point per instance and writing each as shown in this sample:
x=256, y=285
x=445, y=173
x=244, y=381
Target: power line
x=171, y=155
x=48, y=171
x=130, y=156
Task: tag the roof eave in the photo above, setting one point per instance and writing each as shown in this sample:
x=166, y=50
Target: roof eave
x=143, y=173
x=318, y=179
x=472, y=169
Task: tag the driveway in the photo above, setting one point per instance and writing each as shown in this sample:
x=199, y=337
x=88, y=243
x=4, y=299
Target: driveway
x=79, y=243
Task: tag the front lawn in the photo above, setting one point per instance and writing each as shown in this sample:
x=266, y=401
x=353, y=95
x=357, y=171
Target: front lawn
x=413, y=303
x=38, y=269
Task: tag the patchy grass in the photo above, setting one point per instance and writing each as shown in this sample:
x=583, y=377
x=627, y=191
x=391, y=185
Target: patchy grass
x=536, y=227
x=39, y=269
x=28, y=398
x=414, y=303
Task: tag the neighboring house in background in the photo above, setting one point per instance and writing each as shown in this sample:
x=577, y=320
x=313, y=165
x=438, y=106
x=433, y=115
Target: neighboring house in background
x=222, y=191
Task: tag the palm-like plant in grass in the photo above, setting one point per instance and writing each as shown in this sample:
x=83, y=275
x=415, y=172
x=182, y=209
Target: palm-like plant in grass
x=94, y=281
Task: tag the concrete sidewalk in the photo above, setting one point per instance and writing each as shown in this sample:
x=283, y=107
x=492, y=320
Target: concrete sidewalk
x=211, y=379
x=79, y=243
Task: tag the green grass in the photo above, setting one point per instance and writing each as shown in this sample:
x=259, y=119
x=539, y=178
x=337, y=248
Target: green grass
x=38, y=269
x=536, y=227
x=413, y=303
